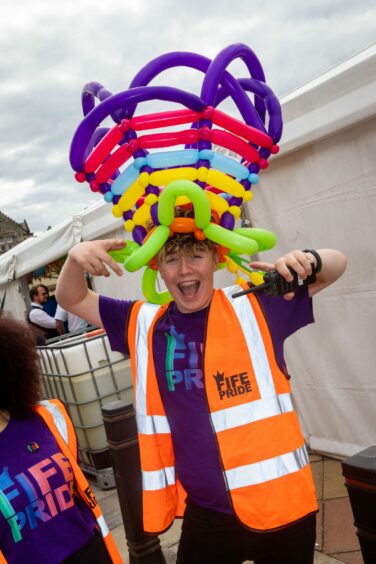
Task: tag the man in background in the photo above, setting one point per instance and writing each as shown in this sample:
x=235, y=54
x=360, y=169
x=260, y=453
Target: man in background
x=43, y=326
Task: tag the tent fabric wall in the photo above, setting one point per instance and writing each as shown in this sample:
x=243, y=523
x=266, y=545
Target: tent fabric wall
x=14, y=301
x=323, y=195
x=7, y=270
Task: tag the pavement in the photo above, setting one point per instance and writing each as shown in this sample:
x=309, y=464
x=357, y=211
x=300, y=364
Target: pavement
x=336, y=535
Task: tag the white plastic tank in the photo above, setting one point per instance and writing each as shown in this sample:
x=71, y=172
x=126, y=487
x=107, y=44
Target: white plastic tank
x=84, y=373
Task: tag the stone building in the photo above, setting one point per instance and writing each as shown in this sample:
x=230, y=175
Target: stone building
x=12, y=233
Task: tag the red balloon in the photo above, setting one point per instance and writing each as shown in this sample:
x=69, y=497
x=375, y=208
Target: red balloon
x=104, y=148
x=164, y=119
x=157, y=140
x=233, y=143
x=114, y=161
x=239, y=128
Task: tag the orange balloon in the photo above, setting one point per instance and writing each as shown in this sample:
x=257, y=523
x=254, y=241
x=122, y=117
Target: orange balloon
x=199, y=234
x=183, y=225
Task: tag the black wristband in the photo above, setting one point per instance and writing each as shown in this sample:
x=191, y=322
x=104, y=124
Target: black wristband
x=317, y=257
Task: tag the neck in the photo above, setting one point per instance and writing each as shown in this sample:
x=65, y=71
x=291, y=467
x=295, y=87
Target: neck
x=4, y=419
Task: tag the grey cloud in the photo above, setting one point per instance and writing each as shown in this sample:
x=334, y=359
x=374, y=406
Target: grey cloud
x=50, y=50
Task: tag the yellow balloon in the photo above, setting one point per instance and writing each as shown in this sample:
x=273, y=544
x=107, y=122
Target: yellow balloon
x=202, y=173
x=217, y=203
x=223, y=182
x=116, y=211
x=256, y=278
x=151, y=199
x=129, y=225
x=182, y=201
x=231, y=265
x=144, y=179
x=142, y=215
x=130, y=197
x=235, y=211
x=163, y=177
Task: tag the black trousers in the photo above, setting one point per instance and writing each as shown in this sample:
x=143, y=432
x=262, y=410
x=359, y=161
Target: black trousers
x=210, y=537
x=93, y=552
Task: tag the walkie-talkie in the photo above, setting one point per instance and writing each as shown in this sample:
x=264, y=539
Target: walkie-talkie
x=275, y=285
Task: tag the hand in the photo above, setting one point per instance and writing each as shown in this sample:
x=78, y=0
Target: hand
x=297, y=260
x=93, y=256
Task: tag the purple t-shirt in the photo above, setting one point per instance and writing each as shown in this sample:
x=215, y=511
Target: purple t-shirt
x=177, y=349
x=41, y=520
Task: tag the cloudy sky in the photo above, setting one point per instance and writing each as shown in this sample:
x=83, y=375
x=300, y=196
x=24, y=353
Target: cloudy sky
x=49, y=49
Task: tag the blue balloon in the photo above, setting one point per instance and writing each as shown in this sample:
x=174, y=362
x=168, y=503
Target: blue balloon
x=167, y=159
x=125, y=180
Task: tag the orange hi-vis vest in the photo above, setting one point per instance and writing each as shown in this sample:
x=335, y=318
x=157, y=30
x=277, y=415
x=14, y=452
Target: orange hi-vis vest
x=56, y=418
x=260, y=444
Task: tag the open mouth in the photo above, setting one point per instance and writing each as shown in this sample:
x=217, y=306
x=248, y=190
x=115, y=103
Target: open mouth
x=189, y=288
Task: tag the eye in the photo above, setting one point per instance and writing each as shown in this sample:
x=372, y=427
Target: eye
x=171, y=259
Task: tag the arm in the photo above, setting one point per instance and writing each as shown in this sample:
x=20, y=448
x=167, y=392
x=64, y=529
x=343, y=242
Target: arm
x=72, y=292
x=60, y=327
x=333, y=266
x=60, y=317
x=42, y=318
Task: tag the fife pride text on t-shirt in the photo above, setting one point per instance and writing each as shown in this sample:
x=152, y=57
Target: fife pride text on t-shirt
x=43, y=502
x=189, y=354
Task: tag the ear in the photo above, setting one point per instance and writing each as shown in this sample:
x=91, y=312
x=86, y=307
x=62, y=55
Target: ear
x=216, y=258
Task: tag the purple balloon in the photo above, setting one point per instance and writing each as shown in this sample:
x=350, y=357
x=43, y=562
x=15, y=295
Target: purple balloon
x=91, y=91
x=227, y=220
x=271, y=101
x=233, y=201
x=139, y=234
x=88, y=125
x=98, y=134
x=215, y=72
x=198, y=62
x=217, y=85
x=154, y=213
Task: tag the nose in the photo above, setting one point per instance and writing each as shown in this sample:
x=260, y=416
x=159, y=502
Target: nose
x=185, y=265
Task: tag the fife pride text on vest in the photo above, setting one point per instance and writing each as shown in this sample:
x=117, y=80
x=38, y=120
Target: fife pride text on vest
x=231, y=386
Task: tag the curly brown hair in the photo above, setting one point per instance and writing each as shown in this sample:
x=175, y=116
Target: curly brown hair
x=20, y=386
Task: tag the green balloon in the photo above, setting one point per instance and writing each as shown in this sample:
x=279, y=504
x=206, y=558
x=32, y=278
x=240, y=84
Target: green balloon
x=265, y=239
x=148, y=250
x=166, y=203
x=122, y=254
x=149, y=288
x=230, y=239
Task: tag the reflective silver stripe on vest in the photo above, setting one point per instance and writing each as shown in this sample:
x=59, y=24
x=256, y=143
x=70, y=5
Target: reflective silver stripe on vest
x=103, y=526
x=260, y=472
x=59, y=419
x=250, y=412
x=254, y=340
x=158, y=479
x=150, y=424
x=147, y=424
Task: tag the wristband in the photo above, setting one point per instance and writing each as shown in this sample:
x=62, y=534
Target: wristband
x=317, y=257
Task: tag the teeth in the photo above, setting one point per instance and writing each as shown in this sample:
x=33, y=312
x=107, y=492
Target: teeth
x=188, y=283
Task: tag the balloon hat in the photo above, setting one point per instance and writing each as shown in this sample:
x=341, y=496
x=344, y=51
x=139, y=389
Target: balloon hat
x=213, y=184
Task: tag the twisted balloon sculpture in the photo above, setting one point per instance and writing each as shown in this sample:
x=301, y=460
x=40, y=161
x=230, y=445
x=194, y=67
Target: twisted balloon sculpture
x=147, y=192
